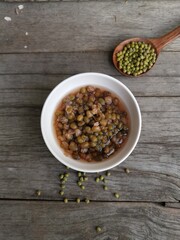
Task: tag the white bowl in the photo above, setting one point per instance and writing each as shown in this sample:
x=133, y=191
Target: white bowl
x=75, y=82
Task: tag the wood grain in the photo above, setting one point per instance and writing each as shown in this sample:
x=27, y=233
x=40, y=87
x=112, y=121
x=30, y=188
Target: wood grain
x=159, y=125
x=154, y=174
x=26, y=164
x=66, y=37
x=55, y=220
x=85, y=26
x=21, y=178
x=40, y=84
x=61, y=63
x=172, y=205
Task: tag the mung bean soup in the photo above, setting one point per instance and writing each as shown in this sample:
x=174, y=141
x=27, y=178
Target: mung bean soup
x=91, y=124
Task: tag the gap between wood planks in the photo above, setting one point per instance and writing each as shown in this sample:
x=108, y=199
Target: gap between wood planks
x=70, y=200
x=162, y=204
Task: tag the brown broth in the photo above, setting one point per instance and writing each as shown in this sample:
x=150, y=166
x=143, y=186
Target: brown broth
x=102, y=134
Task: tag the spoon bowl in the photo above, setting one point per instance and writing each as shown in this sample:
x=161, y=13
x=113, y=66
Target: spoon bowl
x=156, y=43
x=120, y=47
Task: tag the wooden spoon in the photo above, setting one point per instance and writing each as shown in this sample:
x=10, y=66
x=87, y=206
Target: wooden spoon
x=157, y=44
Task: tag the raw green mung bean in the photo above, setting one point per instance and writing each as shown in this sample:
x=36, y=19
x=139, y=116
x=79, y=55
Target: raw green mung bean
x=81, y=179
x=105, y=188
x=98, y=229
x=78, y=200
x=61, y=176
x=101, y=178
x=65, y=200
x=79, y=174
x=65, y=179
x=79, y=183
x=61, y=193
x=127, y=170
x=87, y=200
x=38, y=193
x=116, y=195
x=108, y=174
x=143, y=55
x=97, y=179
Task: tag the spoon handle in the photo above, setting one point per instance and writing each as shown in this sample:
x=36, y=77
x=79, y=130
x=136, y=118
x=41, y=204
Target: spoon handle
x=167, y=38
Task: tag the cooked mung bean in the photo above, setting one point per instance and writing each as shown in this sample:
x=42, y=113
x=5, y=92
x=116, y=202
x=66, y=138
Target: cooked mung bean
x=91, y=124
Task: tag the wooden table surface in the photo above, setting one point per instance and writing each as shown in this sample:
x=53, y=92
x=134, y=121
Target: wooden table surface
x=42, y=45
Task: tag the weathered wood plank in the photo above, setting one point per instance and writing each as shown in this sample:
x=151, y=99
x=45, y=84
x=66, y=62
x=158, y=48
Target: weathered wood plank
x=115, y=1
x=55, y=220
x=142, y=87
x=161, y=159
x=172, y=205
x=61, y=63
x=25, y=1
x=25, y=162
x=160, y=120
x=154, y=175
x=90, y=26
x=24, y=157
